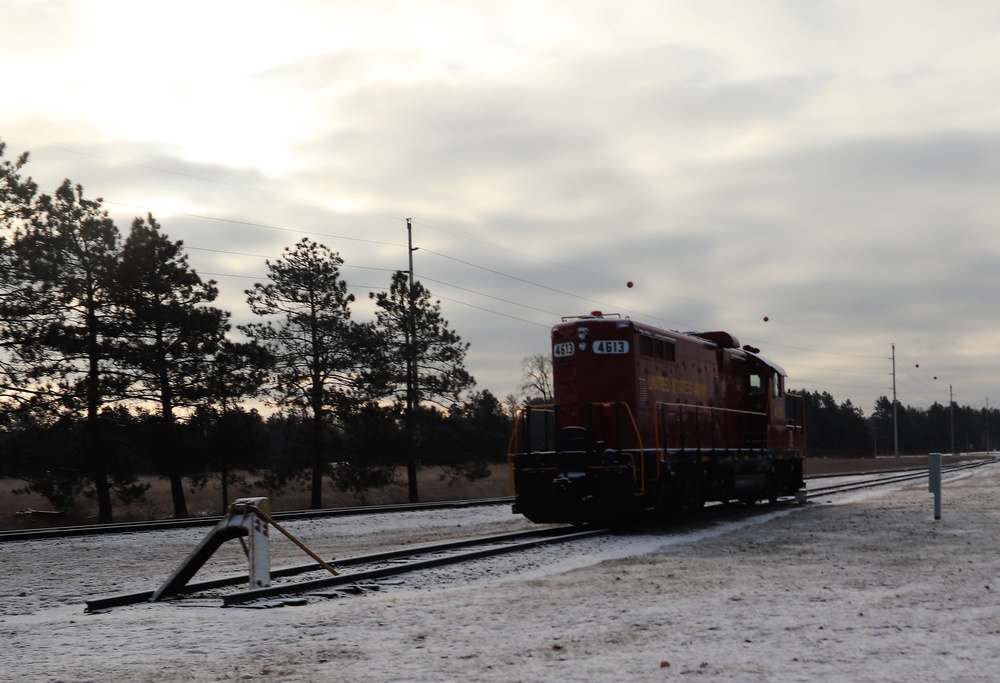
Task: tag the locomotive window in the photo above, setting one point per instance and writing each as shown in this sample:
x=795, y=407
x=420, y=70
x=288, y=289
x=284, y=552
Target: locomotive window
x=661, y=349
x=645, y=345
x=668, y=350
x=778, y=385
x=756, y=382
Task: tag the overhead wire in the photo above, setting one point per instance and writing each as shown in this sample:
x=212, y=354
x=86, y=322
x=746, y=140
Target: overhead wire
x=567, y=266
x=425, y=249
x=491, y=244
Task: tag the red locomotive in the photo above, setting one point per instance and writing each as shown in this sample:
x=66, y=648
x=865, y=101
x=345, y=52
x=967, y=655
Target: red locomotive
x=646, y=420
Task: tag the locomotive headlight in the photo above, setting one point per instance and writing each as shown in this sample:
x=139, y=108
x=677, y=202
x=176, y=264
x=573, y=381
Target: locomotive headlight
x=581, y=333
x=582, y=346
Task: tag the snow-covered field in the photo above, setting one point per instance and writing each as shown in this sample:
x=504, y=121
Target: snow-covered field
x=866, y=588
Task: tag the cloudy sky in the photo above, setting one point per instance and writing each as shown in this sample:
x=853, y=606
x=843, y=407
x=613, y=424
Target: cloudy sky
x=833, y=166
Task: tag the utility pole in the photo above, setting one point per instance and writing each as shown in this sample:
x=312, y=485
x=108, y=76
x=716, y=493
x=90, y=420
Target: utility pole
x=411, y=377
x=895, y=424
x=951, y=405
x=987, y=426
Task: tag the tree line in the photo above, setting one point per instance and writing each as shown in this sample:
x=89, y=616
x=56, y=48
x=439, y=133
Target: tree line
x=114, y=362
x=842, y=430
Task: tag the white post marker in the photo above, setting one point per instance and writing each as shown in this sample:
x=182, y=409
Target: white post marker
x=250, y=517
x=934, y=481
x=246, y=517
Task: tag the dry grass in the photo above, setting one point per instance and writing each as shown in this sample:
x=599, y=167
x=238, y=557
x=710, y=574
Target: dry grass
x=25, y=511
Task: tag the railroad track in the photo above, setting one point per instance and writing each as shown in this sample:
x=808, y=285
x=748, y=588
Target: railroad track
x=368, y=568
x=896, y=477
x=192, y=522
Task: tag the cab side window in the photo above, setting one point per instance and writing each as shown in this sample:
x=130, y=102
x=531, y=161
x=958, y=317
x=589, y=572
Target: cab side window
x=661, y=349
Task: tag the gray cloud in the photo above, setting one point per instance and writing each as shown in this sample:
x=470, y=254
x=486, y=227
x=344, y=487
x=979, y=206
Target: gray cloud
x=794, y=162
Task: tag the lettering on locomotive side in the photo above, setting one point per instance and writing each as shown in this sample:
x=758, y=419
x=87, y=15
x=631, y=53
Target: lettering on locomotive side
x=682, y=387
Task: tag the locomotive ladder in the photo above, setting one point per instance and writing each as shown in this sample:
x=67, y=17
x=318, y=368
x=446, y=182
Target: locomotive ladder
x=249, y=517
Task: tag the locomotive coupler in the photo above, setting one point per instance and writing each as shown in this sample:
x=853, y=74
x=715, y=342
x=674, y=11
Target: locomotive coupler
x=568, y=481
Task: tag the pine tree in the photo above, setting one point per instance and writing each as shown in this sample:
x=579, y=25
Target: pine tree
x=323, y=361
x=169, y=337
x=61, y=318
x=426, y=359
x=18, y=300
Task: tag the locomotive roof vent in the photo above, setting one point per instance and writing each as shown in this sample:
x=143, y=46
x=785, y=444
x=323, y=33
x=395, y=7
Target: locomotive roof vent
x=592, y=314
x=721, y=339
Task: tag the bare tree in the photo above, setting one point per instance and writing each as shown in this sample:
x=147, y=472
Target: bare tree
x=536, y=375
x=511, y=403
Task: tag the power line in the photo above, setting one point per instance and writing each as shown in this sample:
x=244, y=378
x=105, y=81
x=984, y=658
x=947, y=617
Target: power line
x=489, y=296
x=512, y=317
x=541, y=286
x=439, y=254
x=433, y=227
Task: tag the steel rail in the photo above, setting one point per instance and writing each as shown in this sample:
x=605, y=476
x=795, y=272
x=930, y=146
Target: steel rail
x=248, y=596
x=899, y=477
x=193, y=522
x=507, y=543
x=515, y=541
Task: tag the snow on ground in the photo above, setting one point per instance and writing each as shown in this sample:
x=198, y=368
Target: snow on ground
x=866, y=588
